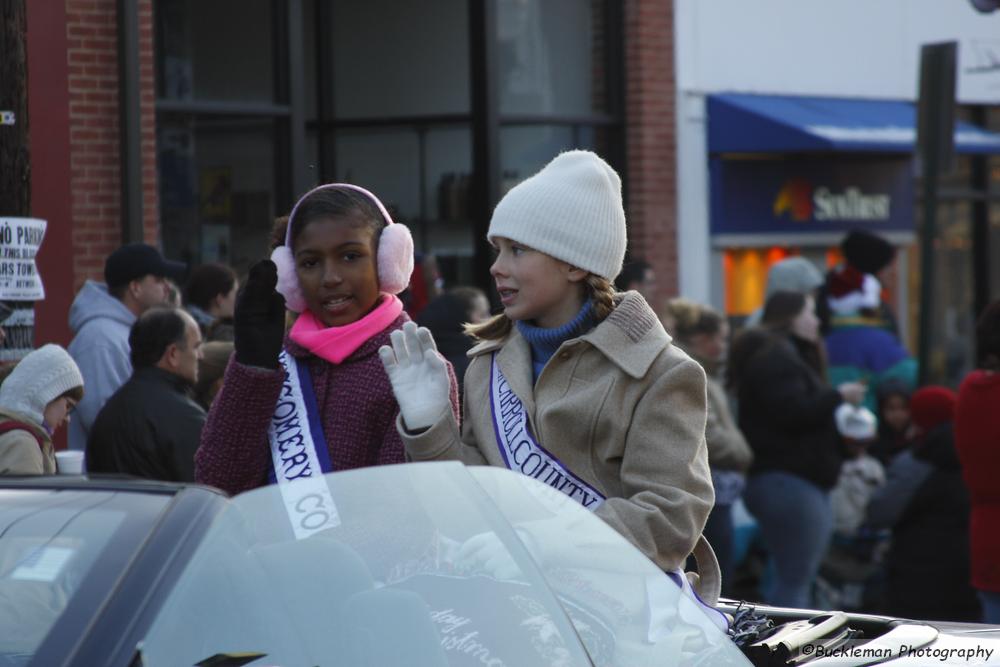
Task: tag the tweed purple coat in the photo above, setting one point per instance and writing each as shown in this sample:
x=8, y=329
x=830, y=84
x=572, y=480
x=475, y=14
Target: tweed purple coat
x=355, y=400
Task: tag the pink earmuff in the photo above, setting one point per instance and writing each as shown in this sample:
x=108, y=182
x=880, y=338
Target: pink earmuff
x=395, y=254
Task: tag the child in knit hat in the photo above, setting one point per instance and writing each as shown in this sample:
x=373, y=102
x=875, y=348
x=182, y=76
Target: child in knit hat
x=573, y=384
x=861, y=474
x=35, y=400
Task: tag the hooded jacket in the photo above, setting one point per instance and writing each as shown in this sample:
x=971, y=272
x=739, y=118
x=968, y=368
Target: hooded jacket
x=150, y=428
x=620, y=406
x=101, y=324
x=26, y=449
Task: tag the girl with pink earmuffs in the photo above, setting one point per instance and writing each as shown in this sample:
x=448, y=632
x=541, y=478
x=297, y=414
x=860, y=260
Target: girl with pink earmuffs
x=315, y=400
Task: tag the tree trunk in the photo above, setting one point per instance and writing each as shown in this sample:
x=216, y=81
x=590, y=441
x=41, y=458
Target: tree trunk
x=15, y=167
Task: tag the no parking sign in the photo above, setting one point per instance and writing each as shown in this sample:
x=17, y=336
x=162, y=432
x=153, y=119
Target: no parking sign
x=20, y=239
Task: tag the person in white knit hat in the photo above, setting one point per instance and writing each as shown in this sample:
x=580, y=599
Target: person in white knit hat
x=35, y=400
x=573, y=384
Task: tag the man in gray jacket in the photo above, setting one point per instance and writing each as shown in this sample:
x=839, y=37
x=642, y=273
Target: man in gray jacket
x=101, y=317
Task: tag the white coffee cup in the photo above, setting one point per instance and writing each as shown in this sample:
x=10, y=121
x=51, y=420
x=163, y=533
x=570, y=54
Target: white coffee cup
x=69, y=462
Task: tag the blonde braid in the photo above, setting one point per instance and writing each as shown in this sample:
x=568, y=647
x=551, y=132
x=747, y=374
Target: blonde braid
x=496, y=328
x=602, y=292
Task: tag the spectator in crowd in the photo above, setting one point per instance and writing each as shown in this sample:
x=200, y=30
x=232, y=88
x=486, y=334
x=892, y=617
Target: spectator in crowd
x=222, y=331
x=894, y=433
x=851, y=576
x=861, y=474
x=210, y=295
x=637, y=275
x=36, y=398
x=211, y=369
x=151, y=427
x=792, y=274
x=426, y=284
x=926, y=505
x=864, y=253
x=860, y=340
x=703, y=333
x=977, y=437
x=101, y=317
x=174, y=299
x=446, y=317
x=786, y=413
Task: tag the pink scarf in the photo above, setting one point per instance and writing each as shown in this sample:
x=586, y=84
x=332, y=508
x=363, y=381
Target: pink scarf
x=337, y=343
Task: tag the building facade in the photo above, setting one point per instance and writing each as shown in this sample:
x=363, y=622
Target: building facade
x=774, y=111
x=194, y=125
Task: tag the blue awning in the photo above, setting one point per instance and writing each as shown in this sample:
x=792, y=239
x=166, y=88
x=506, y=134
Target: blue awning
x=741, y=123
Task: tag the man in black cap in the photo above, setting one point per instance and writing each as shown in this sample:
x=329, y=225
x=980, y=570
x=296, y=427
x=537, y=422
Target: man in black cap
x=101, y=317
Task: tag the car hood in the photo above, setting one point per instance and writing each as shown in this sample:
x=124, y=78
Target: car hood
x=425, y=564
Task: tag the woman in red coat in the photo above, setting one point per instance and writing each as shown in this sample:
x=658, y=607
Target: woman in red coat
x=977, y=437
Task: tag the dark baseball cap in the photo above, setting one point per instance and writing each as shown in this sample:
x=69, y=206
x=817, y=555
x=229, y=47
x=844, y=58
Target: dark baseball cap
x=135, y=260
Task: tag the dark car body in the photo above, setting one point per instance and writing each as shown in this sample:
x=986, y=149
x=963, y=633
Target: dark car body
x=417, y=564
x=113, y=604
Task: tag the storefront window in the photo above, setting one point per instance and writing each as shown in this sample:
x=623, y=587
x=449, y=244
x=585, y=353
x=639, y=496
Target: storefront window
x=217, y=181
x=386, y=91
x=392, y=59
x=384, y=161
x=551, y=55
x=524, y=149
x=435, y=205
x=221, y=50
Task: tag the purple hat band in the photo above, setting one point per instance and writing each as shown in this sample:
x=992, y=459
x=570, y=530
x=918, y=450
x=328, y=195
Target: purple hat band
x=329, y=186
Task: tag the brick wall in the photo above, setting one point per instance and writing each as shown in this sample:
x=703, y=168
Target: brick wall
x=95, y=153
x=651, y=186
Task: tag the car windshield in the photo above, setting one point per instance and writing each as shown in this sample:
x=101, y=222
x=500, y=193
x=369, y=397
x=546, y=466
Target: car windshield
x=424, y=564
x=49, y=543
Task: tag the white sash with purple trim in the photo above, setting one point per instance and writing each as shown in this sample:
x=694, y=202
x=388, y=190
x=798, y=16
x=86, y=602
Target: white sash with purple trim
x=520, y=450
x=299, y=454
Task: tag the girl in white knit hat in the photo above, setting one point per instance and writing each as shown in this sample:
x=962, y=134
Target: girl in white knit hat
x=35, y=400
x=573, y=384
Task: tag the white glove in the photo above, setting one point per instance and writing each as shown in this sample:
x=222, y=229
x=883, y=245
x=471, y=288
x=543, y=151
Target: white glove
x=419, y=376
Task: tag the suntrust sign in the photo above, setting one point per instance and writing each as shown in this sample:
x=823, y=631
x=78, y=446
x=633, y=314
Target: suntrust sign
x=799, y=195
x=801, y=201
x=852, y=204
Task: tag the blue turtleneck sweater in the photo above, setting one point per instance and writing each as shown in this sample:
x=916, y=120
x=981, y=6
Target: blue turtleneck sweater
x=545, y=342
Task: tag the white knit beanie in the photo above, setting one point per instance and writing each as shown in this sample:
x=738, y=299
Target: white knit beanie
x=38, y=379
x=572, y=210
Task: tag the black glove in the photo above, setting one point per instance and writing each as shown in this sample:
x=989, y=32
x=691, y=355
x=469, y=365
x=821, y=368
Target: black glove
x=259, y=320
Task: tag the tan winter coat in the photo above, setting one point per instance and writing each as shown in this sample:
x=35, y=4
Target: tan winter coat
x=620, y=406
x=19, y=450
